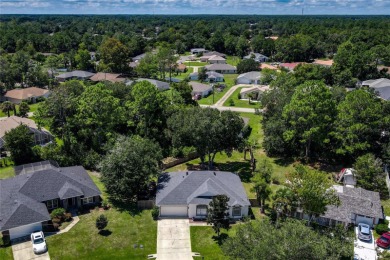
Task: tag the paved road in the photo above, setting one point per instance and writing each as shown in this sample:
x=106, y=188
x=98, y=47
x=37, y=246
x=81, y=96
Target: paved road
x=173, y=239
x=24, y=251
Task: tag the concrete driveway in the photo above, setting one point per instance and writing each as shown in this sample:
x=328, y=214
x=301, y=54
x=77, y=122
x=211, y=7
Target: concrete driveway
x=24, y=251
x=364, y=250
x=173, y=239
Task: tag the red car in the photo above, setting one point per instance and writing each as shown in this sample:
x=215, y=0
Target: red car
x=384, y=240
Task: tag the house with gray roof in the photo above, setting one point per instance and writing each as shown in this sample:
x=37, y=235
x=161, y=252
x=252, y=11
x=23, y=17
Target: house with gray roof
x=76, y=74
x=222, y=68
x=381, y=87
x=160, y=85
x=256, y=56
x=211, y=76
x=188, y=194
x=38, y=188
x=357, y=205
x=197, y=50
x=253, y=77
x=200, y=89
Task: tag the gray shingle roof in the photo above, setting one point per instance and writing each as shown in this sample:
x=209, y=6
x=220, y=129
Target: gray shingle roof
x=76, y=74
x=355, y=201
x=381, y=86
x=183, y=188
x=21, y=197
x=252, y=75
x=161, y=85
x=220, y=66
x=199, y=87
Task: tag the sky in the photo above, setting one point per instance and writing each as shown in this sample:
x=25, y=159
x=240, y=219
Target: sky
x=260, y=7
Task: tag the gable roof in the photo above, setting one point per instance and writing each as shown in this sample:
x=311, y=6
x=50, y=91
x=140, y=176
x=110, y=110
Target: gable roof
x=214, y=53
x=199, y=87
x=160, y=85
x=354, y=201
x=102, y=76
x=290, y=66
x=267, y=66
x=252, y=75
x=254, y=89
x=183, y=188
x=75, y=74
x=26, y=93
x=257, y=56
x=381, y=86
x=326, y=63
x=22, y=197
x=220, y=66
x=216, y=58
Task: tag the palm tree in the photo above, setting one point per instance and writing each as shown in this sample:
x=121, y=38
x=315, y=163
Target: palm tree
x=7, y=107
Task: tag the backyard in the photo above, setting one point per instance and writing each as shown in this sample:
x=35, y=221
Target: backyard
x=33, y=108
x=230, y=80
x=240, y=103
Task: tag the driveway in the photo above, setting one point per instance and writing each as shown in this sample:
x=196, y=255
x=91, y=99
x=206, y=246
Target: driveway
x=173, y=239
x=364, y=250
x=24, y=251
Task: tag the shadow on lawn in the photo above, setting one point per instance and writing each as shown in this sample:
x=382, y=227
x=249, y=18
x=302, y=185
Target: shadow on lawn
x=221, y=238
x=284, y=161
x=126, y=206
x=105, y=233
x=243, y=169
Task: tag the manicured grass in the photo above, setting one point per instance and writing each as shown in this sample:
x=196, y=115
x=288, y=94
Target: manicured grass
x=233, y=60
x=6, y=252
x=125, y=229
x=240, y=103
x=184, y=75
x=205, y=241
x=386, y=207
x=7, y=172
x=196, y=63
x=33, y=108
x=230, y=80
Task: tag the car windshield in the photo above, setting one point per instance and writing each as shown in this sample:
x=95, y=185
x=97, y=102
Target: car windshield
x=365, y=231
x=384, y=239
x=38, y=240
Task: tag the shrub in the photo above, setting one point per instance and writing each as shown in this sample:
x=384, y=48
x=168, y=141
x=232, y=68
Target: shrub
x=155, y=212
x=5, y=240
x=382, y=227
x=231, y=103
x=187, y=150
x=57, y=213
x=56, y=220
x=101, y=222
x=105, y=204
x=56, y=226
x=68, y=217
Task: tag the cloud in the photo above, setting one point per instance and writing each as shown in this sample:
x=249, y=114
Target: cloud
x=197, y=6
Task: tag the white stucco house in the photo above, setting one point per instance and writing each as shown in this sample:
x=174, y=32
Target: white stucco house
x=188, y=194
x=252, y=77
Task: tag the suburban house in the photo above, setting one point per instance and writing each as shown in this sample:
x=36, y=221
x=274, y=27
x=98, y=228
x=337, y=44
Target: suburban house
x=222, y=68
x=103, y=76
x=357, y=205
x=160, y=85
x=347, y=177
x=253, y=77
x=38, y=188
x=290, y=66
x=41, y=135
x=256, y=56
x=200, y=89
x=381, y=87
x=181, y=67
x=325, y=63
x=213, y=59
x=197, y=50
x=267, y=66
x=254, y=93
x=138, y=57
x=211, y=76
x=31, y=94
x=76, y=74
x=188, y=194
x=212, y=53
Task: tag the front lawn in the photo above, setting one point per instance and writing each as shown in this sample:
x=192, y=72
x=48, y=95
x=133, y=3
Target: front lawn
x=6, y=252
x=7, y=172
x=184, y=75
x=230, y=80
x=240, y=103
x=195, y=63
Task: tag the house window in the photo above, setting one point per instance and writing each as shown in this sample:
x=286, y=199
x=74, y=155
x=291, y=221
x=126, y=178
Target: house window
x=201, y=210
x=52, y=204
x=88, y=200
x=236, y=211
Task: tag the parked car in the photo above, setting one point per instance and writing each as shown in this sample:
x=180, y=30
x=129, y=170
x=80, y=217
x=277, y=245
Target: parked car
x=384, y=240
x=39, y=243
x=364, y=232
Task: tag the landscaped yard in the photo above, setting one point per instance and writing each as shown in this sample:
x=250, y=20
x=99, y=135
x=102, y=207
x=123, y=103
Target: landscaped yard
x=230, y=80
x=33, y=108
x=184, y=75
x=195, y=63
x=6, y=252
x=240, y=103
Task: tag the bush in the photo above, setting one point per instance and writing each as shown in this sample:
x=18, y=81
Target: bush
x=382, y=227
x=5, y=240
x=105, y=204
x=56, y=226
x=101, y=222
x=231, y=103
x=68, y=217
x=187, y=150
x=56, y=220
x=155, y=212
x=57, y=213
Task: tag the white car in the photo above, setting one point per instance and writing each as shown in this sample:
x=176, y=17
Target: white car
x=38, y=242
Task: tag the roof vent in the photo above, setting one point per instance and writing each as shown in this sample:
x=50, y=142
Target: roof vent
x=215, y=174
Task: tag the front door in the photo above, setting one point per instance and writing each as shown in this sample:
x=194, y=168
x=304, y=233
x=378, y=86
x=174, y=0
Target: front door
x=72, y=202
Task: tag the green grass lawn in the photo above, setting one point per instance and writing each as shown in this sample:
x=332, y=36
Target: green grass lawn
x=232, y=60
x=6, y=252
x=33, y=108
x=386, y=207
x=7, y=172
x=240, y=103
x=230, y=80
x=184, y=75
x=205, y=241
x=195, y=63
x=124, y=229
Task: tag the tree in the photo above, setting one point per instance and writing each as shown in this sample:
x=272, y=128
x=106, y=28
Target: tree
x=185, y=91
x=23, y=109
x=147, y=67
x=370, y=174
x=287, y=240
x=247, y=65
x=83, y=58
x=114, y=55
x=19, y=142
x=217, y=213
x=261, y=182
x=202, y=76
x=7, y=107
x=101, y=222
x=311, y=191
x=309, y=116
x=129, y=166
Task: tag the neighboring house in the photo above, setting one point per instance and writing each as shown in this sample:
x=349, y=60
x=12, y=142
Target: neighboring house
x=188, y=194
x=253, y=77
x=27, y=198
x=347, y=177
x=290, y=66
x=181, y=67
x=213, y=59
x=197, y=50
x=254, y=91
x=222, y=68
x=200, y=89
x=16, y=96
x=357, y=205
x=212, y=76
x=212, y=53
x=381, y=87
x=172, y=79
x=325, y=63
x=385, y=69
x=160, y=85
x=41, y=135
x=256, y=56
x=102, y=76
x=267, y=66
x=76, y=74
x=139, y=57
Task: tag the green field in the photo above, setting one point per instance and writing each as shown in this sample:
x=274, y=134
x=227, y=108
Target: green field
x=230, y=80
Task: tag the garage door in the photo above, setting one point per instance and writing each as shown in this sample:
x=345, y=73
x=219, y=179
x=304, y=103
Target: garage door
x=365, y=220
x=170, y=211
x=24, y=230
